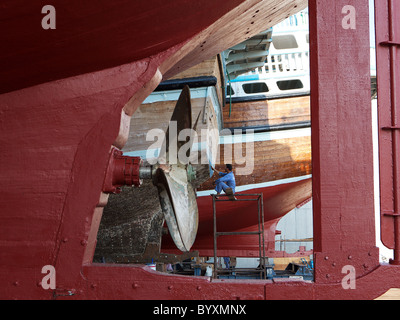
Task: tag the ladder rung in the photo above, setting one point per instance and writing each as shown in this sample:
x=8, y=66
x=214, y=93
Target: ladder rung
x=231, y=233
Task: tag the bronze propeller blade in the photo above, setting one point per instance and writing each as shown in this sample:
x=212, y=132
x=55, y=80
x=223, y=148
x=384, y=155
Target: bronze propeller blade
x=172, y=178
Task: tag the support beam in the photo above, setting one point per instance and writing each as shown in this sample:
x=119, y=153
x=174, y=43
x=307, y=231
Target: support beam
x=342, y=139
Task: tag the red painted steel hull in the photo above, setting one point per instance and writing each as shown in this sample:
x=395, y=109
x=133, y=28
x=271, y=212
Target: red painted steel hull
x=388, y=79
x=91, y=37
x=56, y=138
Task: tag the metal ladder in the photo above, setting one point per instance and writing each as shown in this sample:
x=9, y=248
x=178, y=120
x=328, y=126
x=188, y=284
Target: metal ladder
x=260, y=232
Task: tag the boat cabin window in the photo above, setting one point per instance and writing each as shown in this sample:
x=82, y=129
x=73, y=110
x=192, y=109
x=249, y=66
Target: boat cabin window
x=284, y=42
x=255, y=87
x=289, y=84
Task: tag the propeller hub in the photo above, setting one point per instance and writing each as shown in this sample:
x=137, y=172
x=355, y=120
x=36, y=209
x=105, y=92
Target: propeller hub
x=122, y=171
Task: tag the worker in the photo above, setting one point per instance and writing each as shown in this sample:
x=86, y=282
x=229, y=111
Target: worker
x=226, y=181
x=226, y=261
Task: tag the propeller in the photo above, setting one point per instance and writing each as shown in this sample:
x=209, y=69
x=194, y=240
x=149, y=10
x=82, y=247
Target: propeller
x=175, y=177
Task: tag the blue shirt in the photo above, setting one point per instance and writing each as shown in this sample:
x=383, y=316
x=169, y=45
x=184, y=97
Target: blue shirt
x=229, y=179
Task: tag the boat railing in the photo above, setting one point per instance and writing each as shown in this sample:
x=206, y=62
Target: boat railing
x=284, y=74
x=285, y=63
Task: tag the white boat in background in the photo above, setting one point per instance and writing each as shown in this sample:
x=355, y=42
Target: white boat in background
x=286, y=69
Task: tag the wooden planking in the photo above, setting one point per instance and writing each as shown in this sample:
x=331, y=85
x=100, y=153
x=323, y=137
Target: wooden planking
x=236, y=27
x=273, y=160
x=206, y=68
x=210, y=67
x=282, y=263
x=158, y=114
x=267, y=112
x=391, y=294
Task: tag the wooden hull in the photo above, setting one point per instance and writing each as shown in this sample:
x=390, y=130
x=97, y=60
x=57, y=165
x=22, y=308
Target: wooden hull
x=155, y=112
x=274, y=113
x=257, y=158
x=268, y=160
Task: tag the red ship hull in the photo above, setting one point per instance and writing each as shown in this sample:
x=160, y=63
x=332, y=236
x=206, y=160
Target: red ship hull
x=63, y=107
x=91, y=38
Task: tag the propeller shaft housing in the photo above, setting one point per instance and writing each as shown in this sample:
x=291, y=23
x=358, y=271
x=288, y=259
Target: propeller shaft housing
x=121, y=171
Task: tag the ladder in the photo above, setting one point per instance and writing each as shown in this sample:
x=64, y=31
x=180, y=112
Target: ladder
x=260, y=232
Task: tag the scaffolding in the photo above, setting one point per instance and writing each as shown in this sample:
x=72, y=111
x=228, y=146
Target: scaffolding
x=260, y=232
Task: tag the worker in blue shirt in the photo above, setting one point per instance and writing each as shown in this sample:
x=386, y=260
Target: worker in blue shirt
x=226, y=181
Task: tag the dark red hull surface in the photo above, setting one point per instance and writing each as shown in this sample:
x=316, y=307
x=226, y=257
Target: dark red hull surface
x=56, y=137
x=92, y=37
